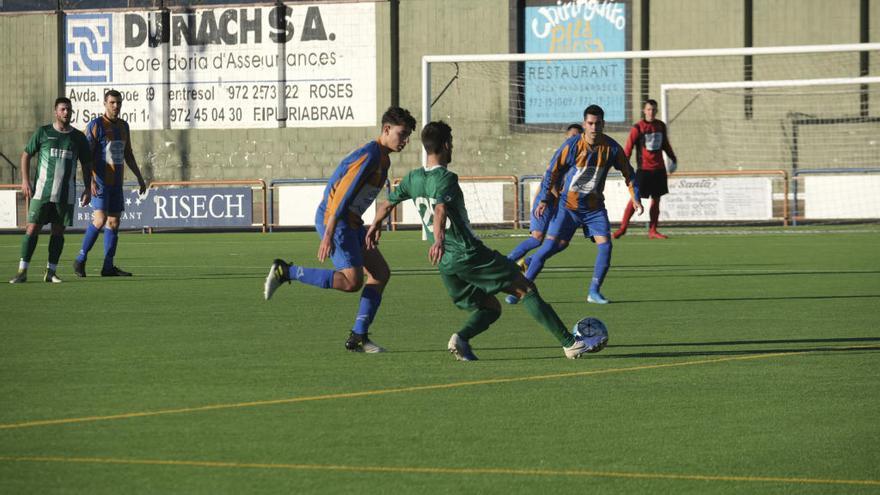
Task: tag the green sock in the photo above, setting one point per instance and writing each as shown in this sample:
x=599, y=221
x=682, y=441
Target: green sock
x=28, y=244
x=478, y=322
x=547, y=317
x=56, y=245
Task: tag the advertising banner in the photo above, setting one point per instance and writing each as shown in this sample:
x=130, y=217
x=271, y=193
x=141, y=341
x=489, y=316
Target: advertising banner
x=298, y=203
x=701, y=199
x=178, y=208
x=558, y=92
x=231, y=67
x=827, y=197
x=8, y=209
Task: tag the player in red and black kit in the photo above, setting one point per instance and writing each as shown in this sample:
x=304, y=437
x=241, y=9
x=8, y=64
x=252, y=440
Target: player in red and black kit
x=650, y=137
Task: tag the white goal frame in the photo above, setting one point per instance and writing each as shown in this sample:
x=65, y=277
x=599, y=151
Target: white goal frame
x=781, y=83
x=427, y=60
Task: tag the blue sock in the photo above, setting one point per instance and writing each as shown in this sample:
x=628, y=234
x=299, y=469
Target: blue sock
x=523, y=248
x=545, y=252
x=370, y=300
x=603, y=262
x=88, y=242
x=111, y=239
x=319, y=277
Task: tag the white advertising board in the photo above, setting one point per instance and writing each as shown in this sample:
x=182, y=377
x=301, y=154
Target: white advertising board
x=701, y=199
x=484, y=202
x=230, y=67
x=297, y=204
x=841, y=196
x=8, y=209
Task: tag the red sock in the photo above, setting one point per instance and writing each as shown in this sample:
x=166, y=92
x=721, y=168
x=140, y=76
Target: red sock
x=655, y=215
x=655, y=219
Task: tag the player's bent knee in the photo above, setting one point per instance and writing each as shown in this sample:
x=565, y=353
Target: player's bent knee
x=348, y=280
x=490, y=303
x=351, y=285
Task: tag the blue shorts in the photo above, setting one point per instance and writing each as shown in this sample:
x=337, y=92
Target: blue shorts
x=540, y=224
x=566, y=223
x=109, y=200
x=348, y=243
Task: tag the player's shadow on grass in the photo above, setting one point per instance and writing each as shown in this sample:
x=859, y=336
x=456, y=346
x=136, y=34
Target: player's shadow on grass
x=754, y=342
x=610, y=353
x=733, y=352
x=203, y=276
x=721, y=299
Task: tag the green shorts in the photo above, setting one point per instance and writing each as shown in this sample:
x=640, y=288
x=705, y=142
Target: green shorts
x=470, y=281
x=42, y=212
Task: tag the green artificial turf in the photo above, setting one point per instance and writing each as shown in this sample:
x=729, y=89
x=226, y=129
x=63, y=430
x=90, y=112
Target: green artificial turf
x=737, y=363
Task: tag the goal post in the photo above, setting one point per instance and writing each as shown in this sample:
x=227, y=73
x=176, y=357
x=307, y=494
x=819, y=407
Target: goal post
x=509, y=111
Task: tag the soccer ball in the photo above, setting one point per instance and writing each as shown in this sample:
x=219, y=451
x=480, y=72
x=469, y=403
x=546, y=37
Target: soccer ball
x=671, y=166
x=590, y=327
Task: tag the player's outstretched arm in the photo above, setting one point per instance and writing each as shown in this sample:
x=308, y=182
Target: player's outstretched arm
x=375, y=230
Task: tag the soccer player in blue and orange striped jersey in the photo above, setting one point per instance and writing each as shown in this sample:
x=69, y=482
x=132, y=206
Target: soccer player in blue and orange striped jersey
x=538, y=225
x=351, y=189
x=110, y=141
x=576, y=178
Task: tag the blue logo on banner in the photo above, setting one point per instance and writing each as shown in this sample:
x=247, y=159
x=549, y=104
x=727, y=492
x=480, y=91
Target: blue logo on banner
x=89, y=39
x=197, y=208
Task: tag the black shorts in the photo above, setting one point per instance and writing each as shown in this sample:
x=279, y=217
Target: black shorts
x=652, y=183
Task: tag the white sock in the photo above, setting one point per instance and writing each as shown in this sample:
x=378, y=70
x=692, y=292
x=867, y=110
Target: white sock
x=23, y=265
x=52, y=266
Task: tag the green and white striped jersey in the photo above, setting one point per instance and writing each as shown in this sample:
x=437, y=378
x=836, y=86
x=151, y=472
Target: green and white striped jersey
x=428, y=187
x=57, y=154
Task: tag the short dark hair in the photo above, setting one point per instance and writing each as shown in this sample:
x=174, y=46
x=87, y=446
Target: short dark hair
x=112, y=92
x=594, y=110
x=435, y=135
x=579, y=128
x=399, y=116
x=61, y=100
x=651, y=102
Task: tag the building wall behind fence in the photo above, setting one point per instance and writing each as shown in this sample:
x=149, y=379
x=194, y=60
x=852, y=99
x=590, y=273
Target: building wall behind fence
x=30, y=78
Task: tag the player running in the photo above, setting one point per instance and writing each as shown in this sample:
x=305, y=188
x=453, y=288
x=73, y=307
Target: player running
x=58, y=147
x=538, y=224
x=577, y=174
x=352, y=189
x=471, y=272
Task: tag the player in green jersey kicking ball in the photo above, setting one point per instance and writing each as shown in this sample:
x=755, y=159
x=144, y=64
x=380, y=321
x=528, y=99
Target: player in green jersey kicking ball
x=471, y=272
x=57, y=146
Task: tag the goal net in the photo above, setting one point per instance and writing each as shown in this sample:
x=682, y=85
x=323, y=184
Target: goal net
x=509, y=112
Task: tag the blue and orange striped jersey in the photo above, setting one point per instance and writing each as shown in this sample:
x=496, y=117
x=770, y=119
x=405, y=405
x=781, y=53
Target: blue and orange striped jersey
x=578, y=170
x=355, y=183
x=110, y=143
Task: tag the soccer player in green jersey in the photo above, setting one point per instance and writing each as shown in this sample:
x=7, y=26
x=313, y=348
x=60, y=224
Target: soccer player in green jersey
x=58, y=146
x=471, y=272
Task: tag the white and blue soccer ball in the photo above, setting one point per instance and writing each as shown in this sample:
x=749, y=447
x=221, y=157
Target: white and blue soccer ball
x=590, y=327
